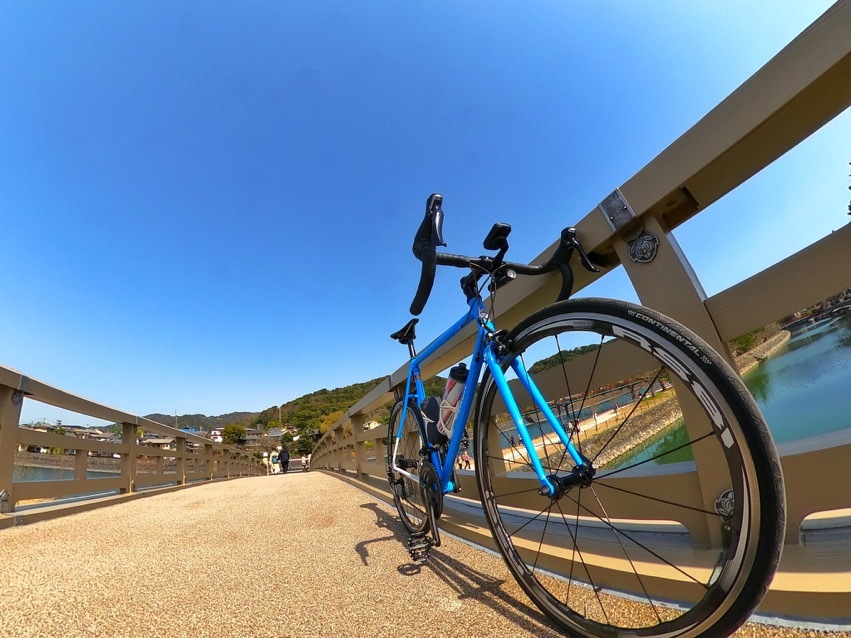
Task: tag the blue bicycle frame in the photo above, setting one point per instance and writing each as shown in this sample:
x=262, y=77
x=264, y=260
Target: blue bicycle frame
x=483, y=352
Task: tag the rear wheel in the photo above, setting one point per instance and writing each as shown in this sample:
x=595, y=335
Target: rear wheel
x=404, y=461
x=674, y=525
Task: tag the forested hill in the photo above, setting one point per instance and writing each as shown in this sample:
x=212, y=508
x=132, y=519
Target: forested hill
x=321, y=409
x=199, y=421
x=313, y=410
x=317, y=410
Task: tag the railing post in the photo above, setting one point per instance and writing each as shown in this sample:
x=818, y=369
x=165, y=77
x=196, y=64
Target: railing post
x=360, y=446
x=181, y=460
x=339, y=449
x=129, y=460
x=81, y=464
x=11, y=401
x=208, y=456
x=664, y=280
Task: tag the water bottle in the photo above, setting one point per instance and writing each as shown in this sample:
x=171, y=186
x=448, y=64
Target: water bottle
x=440, y=416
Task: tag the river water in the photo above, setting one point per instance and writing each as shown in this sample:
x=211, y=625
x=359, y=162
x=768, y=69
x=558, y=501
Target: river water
x=803, y=390
x=22, y=473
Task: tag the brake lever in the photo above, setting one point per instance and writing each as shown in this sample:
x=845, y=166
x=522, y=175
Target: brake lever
x=568, y=237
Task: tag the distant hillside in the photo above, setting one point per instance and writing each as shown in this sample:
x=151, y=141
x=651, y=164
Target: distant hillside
x=199, y=421
x=315, y=411
x=322, y=408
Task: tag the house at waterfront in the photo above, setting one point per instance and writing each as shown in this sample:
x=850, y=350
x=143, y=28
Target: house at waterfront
x=162, y=442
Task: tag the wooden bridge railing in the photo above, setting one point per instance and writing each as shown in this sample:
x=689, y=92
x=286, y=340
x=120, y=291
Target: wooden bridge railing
x=130, y=468
x=801, y=89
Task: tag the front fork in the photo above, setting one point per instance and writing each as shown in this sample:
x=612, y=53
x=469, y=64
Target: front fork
x=551, y=484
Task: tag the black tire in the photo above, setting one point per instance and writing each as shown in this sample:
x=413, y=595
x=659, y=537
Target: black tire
x=686, y=548
x=407, y=494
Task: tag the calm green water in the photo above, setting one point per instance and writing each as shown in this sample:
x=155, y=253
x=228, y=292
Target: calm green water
x=803, y=389
x=21, y=473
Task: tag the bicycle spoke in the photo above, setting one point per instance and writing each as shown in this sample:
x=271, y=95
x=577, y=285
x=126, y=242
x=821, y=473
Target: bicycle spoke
x=524, y=462
x=531, y=490
x=641, y=545
x=545, y=515
x=575, y=541
x=631, y=412
x=626, y=554
x=591, y=374
x=659, y=500
x=658, y=456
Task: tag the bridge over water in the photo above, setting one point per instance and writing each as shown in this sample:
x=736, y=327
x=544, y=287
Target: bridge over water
x=211, y=554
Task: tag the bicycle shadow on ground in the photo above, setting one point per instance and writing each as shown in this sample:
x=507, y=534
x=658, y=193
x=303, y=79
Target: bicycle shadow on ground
x=467, y=583
x=383, y=520
x=484, y=589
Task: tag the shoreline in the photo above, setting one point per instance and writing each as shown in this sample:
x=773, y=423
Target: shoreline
x=753, y=357
x=93, y=463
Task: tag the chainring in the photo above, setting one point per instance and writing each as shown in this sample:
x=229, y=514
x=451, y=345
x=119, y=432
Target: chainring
x=430, y=486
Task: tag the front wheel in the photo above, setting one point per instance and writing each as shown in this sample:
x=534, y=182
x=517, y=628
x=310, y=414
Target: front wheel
x=674, y=525
x=404, y=461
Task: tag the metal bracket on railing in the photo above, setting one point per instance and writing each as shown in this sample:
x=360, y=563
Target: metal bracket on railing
x=620, y=215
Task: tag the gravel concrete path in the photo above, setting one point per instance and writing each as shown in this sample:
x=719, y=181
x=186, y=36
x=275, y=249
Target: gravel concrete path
x=293, y=555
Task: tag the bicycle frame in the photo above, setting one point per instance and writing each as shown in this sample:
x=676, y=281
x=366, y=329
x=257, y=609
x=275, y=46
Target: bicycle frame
x=483, y=353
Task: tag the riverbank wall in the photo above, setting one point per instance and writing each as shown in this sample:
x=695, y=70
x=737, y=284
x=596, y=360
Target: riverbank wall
x=93, y=463
x=638, y=430
x=754, y=356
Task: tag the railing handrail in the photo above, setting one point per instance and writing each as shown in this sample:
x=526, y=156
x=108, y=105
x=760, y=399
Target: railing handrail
x=214, y=461
x=779, y=106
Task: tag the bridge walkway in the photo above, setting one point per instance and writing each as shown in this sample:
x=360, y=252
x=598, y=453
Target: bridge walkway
x=303, y=554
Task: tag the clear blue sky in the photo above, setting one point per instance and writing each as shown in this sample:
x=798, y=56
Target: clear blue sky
x=208, y=207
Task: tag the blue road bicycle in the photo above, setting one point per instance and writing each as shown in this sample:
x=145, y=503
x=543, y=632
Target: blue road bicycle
x=627, y=476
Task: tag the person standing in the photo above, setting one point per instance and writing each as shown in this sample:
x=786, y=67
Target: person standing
x=284, y=458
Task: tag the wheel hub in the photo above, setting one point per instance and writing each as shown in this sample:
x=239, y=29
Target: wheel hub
x=582, y=475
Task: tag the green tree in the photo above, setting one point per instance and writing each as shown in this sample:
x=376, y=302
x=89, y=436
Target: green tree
x=744, y=343
x=304, y=445
x=62, y=431
x=233, y=435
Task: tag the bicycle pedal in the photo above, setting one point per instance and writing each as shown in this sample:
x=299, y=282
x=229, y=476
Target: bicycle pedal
x=419, y=547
